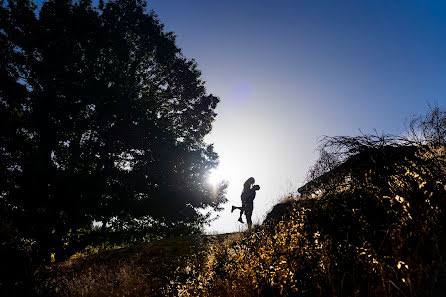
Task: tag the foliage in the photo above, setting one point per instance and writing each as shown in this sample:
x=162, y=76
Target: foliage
x=16, y=258
x=429, y=129
x=326, y=162
x=124, y=233
x=102, y=118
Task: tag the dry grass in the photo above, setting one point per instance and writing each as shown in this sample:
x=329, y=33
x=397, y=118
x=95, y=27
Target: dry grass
x=153, y=269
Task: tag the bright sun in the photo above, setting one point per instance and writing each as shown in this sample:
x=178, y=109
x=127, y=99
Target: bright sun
x=215, y=177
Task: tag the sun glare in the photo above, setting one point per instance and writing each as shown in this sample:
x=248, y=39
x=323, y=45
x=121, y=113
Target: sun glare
x=215, y=177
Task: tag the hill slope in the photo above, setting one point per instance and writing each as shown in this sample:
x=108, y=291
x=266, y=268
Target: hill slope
x=150, y=269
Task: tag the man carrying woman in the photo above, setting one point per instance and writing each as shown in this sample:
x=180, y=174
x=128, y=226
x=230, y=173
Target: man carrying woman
x=247, y=197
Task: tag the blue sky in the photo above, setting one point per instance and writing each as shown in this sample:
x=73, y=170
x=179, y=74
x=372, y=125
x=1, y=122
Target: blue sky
x=289, y=72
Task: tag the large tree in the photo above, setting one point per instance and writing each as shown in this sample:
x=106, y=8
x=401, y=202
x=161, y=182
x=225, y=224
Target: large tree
x=101, y=117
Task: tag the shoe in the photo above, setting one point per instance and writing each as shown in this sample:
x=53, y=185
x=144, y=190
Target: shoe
x=240, y=220
x=233, y=207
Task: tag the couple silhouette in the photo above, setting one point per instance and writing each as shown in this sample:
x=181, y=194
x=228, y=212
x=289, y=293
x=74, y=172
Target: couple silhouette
x=247, y=197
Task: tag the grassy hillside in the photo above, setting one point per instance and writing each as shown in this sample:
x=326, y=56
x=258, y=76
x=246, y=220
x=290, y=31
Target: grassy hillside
x=158, y=268
x=377, y=231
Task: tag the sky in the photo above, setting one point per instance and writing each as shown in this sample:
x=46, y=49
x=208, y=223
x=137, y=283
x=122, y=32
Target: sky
x=289, y=72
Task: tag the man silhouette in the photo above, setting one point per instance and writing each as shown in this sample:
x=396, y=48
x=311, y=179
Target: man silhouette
x=249, y=204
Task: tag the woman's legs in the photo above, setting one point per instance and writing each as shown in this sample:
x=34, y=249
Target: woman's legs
x=236, y=207
x=241, y=212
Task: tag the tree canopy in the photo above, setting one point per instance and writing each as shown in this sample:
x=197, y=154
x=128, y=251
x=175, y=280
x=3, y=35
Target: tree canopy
x=102, y=117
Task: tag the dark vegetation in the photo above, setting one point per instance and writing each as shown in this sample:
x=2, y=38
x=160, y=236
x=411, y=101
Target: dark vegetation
x=101, y=119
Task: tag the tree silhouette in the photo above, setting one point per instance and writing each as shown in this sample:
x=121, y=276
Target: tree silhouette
x=102, y=118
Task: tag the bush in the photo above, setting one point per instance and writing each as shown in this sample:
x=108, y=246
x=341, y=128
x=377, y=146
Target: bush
x=16, y=261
